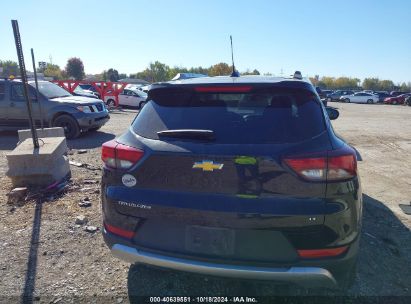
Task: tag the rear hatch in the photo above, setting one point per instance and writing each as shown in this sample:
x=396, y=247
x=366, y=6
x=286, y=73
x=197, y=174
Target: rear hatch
x=215, y=178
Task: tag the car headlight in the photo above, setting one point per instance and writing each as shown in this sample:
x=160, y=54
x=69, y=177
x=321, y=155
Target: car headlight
x=84, y=109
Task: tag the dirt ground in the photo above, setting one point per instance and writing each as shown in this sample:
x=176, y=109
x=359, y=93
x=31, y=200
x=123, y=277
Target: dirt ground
x=45, y=257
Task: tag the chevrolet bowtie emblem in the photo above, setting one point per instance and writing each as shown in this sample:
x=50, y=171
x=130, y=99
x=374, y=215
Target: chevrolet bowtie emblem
x=207, y=165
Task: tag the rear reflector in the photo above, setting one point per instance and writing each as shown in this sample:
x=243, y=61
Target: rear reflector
x=333, y=166
x=321, y=253
x=118, y=231
x=116, y=155
x=224, y=89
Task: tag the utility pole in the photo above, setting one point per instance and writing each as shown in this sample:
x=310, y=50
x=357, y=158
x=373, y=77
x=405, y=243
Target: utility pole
x=37, y=88
x=19, y=49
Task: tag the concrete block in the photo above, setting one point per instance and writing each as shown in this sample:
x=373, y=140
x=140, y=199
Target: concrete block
x=28, y=166
x=46, y=132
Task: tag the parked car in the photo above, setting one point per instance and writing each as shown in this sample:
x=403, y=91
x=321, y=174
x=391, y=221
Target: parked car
x=181, y=76
x=243, y=179
x=75, y=114
x=382, y=95
x=89, y=88
x=335, y=96
x=400, y=99
x=128, y=97
x=397, y=93
x=408, y=101
x=78, y=91
x=360, y=97
x=327, y=92
x=322, y=95
x=145, y=88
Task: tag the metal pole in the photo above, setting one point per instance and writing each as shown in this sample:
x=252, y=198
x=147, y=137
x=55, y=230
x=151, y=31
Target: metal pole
x=37, y=89
x=20, y=56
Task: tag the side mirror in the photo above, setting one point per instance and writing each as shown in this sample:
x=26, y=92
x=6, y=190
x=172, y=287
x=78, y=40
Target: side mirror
x=332, y=113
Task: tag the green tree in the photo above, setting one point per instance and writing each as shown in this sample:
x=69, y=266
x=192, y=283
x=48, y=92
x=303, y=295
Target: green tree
x=371, y=84
x=75, y=68
x=199, y=70
x=248, y=72
x=386, y=85
x=112, y=75
x=156, y=72
x=220, y=69
x=172, y=72
x=53, y=70
x=404, y=87
x=9, y=68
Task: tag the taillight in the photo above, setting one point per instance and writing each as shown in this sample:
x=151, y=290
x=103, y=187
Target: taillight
x=309, y=168
x=119, y=231
x=333, y=166
x=119, y=156
x=321, y=253
x=341, y=167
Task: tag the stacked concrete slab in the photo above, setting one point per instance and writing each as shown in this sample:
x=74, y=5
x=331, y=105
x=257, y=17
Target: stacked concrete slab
x=29, y=166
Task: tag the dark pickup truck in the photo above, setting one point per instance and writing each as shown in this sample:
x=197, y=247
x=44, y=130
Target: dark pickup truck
x=75, y=114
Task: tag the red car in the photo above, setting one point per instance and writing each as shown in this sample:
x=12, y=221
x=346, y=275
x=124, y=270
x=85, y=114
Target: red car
x=400, y=99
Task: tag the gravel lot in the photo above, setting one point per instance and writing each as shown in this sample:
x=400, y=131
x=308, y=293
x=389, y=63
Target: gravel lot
x=46, y=257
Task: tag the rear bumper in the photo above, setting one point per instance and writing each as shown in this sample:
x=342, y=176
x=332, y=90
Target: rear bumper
x=304, y=276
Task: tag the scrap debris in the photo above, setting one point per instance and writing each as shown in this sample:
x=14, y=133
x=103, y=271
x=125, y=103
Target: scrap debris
x=87, y=166
x=16, y=195
x=24, y=194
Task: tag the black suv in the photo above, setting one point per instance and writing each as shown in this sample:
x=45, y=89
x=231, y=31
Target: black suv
x=75, y=114
x=241, y=177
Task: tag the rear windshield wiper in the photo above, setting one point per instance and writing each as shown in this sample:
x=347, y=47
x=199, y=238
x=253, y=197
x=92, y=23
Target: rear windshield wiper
x=188, y=134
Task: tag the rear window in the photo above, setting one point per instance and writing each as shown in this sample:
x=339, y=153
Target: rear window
x=265, y=116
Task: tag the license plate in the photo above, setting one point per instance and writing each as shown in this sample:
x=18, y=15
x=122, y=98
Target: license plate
x=208, y=240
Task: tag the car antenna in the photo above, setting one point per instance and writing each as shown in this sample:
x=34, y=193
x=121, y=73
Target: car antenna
x=235, y=73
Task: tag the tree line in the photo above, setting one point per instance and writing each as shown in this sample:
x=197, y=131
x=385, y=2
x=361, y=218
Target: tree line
x=158, y=71
x=372, y=83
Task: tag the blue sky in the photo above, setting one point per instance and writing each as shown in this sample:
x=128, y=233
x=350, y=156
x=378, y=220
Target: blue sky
x=329, y=38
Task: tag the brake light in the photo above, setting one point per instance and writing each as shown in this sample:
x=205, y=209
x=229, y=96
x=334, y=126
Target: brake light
x=334, y=166
x=309, y=168
x=223, y=89
x=116, y=155
x=321, y=253
x=341, y=167
x=119, y=231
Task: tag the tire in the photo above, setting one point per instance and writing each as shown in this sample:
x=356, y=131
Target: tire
x=370, y=101
x=69, y=124
x=347, y=100
x=142, y=104
x=394, y=102
x=111, y=103
x=329, y=99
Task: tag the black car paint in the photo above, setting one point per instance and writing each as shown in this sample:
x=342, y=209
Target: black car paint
x=245, y=198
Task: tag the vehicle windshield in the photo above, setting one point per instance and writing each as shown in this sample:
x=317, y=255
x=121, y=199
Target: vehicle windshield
x=79, y=89
x=51, y=90
x=270, y=116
